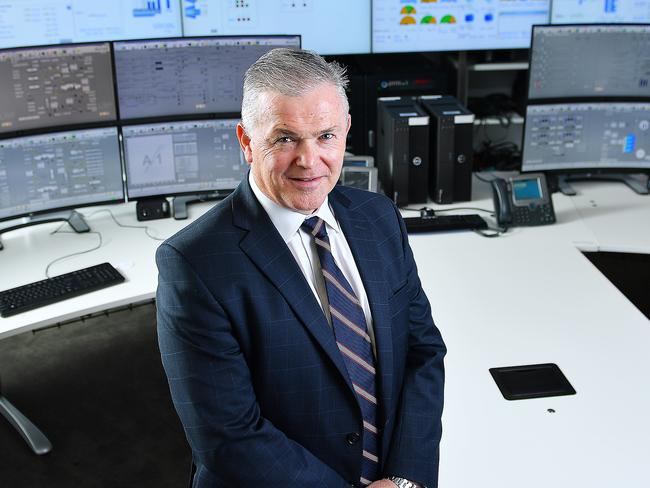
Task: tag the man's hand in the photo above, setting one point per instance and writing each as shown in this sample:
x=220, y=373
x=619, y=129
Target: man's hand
x=382, y=484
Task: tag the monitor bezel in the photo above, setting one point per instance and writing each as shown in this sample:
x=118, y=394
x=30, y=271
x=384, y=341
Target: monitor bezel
x=185, y=116
x=61, y=208
x=575, y=99
x=130, y=198
x=586, y=170
x=46, y=129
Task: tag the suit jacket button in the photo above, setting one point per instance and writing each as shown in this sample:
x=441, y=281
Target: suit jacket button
x=353, y=438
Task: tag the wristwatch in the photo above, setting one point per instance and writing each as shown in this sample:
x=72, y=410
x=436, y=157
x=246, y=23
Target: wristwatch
x=402, y=483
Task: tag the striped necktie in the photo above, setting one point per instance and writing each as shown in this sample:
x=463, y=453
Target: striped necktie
x=351, y=333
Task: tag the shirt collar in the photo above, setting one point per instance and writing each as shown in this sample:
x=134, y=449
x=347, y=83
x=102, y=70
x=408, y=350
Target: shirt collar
x=288, y=221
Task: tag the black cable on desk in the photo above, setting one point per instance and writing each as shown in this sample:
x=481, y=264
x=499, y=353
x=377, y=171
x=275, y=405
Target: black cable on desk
x=431, y=211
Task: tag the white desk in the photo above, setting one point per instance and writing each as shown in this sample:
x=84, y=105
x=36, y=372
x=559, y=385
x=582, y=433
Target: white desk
x=527, y=297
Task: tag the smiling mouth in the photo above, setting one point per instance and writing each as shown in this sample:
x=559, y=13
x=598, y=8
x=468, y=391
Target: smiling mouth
x=306, y=179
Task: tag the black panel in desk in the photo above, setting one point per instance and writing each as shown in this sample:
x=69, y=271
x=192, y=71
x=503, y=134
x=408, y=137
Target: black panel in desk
x=531, y=381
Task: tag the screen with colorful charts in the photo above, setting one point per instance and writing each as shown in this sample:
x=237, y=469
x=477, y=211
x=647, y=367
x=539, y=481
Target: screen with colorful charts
x=599, y=11
x=326, y=26
x=454, y=25
x=40, y=22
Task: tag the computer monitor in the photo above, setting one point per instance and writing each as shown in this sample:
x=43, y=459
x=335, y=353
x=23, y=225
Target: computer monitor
x=55, y=86
x=429, y=25
x=314, y=21
x=179, y=158
x=586, y=61
x=45, y=173
x=187, y=76
x=599, y=11
x=39, y=22
x=595, y=137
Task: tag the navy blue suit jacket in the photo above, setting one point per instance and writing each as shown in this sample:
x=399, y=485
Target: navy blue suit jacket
x=255, y=375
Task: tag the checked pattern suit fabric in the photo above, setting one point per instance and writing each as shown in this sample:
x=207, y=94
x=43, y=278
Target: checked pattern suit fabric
x=352, y=339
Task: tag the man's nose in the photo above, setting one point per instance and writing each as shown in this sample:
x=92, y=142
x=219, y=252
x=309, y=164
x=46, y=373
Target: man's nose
x=307, y=153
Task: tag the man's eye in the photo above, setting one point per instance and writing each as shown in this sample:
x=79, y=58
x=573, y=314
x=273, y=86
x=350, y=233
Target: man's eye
x=284, y=140
x=327, y=136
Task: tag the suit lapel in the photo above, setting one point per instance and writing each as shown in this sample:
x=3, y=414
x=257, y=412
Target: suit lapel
x=364, y=245
x=266, y=248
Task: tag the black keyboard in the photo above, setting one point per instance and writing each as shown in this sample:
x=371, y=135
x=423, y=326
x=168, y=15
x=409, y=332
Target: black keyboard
x=436, y=223
x=58, y=288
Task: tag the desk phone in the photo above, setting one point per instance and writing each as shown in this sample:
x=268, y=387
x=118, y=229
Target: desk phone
x=523, y=200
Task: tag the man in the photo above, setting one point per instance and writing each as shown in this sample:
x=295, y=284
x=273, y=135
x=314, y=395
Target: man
x=295, y=334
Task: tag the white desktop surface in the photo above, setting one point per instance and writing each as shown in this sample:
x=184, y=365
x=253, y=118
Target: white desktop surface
x=527, y=297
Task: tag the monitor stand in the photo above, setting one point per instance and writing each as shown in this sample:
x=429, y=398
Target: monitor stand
x=636, y=185
x=72, y=217
x=32, y=435
x=180, y=203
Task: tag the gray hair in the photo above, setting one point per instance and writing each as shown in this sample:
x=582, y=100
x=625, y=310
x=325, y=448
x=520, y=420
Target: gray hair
x=288, y=72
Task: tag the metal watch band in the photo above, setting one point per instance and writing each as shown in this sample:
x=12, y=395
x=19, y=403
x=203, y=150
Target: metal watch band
x=402, y=483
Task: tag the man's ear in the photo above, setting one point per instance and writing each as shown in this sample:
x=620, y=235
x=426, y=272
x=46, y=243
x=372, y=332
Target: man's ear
x=244, y=143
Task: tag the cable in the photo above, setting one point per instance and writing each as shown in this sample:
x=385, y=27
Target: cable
x=57, y=231
x=431, y=212
x=498, y=232
x=477, y=209
x=127, y=226
x=483, y=179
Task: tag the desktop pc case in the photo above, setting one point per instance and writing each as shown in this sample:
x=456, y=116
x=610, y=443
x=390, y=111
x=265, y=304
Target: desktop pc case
x=386, y=75
x=403, y=150
x=452, y=153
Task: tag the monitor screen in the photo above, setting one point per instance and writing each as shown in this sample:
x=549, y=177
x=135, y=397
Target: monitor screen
x=587, y=136
x=599, y=11
x=314, y=21
x=429, y=25
x=59, y=170
x=55, y=86
x=187, y=76
x=182, y=157
x=590, y=61
x=39, y=22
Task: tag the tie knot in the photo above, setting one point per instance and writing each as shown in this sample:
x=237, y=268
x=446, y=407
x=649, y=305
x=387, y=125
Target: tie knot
x=315, y=226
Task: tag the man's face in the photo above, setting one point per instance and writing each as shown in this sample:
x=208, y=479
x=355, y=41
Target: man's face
x=296, y=149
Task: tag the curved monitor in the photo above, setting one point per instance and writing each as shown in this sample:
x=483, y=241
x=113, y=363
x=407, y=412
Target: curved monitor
x=176, y=158
x=55, y=86
x=314, y=21
x=171, y=77
x=589, y=61
x=431, y=25
x=62, y=170
x=574, y=137
x=599, y=11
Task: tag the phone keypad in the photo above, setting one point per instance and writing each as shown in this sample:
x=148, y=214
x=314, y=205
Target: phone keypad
x=533, y=215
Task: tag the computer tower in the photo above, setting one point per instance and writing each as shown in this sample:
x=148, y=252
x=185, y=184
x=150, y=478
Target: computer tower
x=403, y=150
x=387, y=75
x=452, y=153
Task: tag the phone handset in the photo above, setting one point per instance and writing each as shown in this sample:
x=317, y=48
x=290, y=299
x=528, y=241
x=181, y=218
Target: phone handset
x=502, y=205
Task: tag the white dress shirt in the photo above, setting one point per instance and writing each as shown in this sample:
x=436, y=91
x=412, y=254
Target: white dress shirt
x=302, y=246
